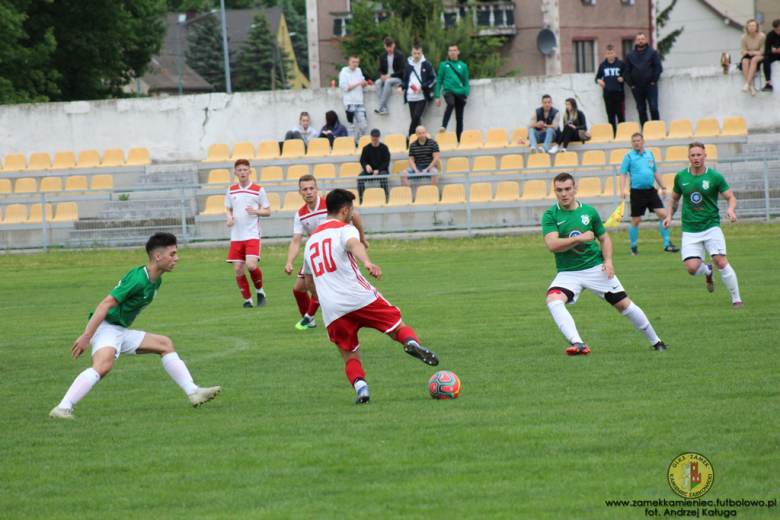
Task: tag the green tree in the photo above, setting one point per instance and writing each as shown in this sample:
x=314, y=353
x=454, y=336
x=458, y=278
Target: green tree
x=364, y=36
x=177, y=6
x=259, y=64
x=205, y=54
x=665, y=44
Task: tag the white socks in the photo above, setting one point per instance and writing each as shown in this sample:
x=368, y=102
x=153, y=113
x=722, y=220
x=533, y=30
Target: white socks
x=359, y=384
x=179, y=372
x=564, y=321
x=729, y=278
x=640, y=322
x=702, y=270
x=80, y=387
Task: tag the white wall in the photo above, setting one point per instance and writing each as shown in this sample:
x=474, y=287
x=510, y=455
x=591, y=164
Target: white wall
x=181, y=128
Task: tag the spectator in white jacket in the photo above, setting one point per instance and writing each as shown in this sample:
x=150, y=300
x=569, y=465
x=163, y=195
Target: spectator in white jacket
x=303, y=131
x=351, y=82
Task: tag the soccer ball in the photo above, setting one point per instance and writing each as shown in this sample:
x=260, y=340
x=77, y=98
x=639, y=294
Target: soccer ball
x=444, y=385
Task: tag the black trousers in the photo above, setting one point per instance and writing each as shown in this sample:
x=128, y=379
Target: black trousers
x=567, y=135
x=767, y=64
x=362, y=182
x=416, y=110
x=616, y=109
x=457, y=103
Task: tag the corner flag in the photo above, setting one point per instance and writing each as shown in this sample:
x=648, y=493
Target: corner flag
x=614, y=219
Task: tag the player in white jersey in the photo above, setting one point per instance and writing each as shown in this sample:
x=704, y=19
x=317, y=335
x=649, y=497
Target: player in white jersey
x=245, y=203
x=308, y=218
x=348, y=301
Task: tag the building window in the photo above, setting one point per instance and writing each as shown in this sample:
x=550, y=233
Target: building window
x=584, y=55
x=628, y=46
x=627, y=2
x=588, y=2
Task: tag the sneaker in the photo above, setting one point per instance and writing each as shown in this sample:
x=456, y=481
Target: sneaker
x=383, y=111
x=746, y=88
x=710, y=281
x=260, y=299
x=204, y=395
x=671, y=249
x=533, y=150
x=578, y=349
x=634, y=251
x=540, y=149
x=752, y=91
x=305, y=323
x=660, y=346
x=562, y=150
x=442, y=130
x=413, y=348
x=554, y=149
x=248, y=305
x=737, y=304
x=767, y=88
x=363, y=396
x=64, y=413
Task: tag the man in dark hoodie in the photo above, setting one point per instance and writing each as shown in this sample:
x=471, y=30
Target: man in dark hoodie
x=391, y=73
x=643, y=69
x=610, y=78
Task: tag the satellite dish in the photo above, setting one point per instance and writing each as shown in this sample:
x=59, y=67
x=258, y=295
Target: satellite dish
x=546, y=42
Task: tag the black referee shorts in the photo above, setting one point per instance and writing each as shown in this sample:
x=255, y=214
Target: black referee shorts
x=644, y=199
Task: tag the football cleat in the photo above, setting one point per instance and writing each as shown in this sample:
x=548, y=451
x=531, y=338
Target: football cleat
x=363, y=396
x=710, y=281
x=247, y=305
x=305, y=323
x=414, y=349
x=62, y=413
x=634, y=251
x=660, y=346
x=737, y=304
x=671, y=249
x=260, y=299
x=204, y=395
x=578, y=349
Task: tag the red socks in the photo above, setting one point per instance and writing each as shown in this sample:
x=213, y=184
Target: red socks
x=405, y=333
x=313, y=306
x=257, y=278
x=243, y=286
x=354, y=371
x=302, y=299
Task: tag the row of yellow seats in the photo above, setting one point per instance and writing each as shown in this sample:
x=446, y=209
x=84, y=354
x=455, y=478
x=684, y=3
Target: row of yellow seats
x=48, y=184
x=678, y=129
x=41, y=161
x=17, y=213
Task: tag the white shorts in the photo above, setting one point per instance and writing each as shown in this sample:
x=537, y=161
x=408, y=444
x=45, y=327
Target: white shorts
x=594, y=279
x=125, y=341
x=694, y=244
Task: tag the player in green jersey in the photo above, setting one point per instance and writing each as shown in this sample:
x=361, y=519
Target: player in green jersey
x=698, y=187
x=570, y=229
x=108, y=333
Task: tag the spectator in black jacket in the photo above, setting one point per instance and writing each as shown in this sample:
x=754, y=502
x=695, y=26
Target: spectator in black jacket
x=610, y=79
x=391, y=73
x=417, y=86
x=573, y=122
x=771, y=53
x=643, y=69
x=375, y=160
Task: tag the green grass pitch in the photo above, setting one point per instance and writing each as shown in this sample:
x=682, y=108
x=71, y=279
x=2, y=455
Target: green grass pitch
x=534, y=434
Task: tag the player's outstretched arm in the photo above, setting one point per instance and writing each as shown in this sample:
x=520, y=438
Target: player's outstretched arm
x=674, y=203
x=732, y=200
x=97, y=318
x=292, y=252
x=559, y=245
x=606, y=252
x=358, y=223
x=359, y=251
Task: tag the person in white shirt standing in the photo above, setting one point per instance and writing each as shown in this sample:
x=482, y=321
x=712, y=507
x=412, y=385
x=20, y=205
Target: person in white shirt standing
x=245, y=203
x=351, y=82
x=348, y=301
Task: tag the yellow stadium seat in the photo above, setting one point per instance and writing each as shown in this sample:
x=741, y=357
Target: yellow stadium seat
x=271, y=173
x=480, y=192
x=471, y=140
x=457, y=165
x=343, y=146
x=15, y=162
x=219, y=152
x=364, y=140
x=519, y=133
x=496, y=139
x=274, y=201
x=711, y=150
x=534, y=190
x=295, y=172
x=601, y=133
x=426, y=196
x=353, y=192
x=396, y=143
x=400, y=196
x=676, y=154
x=485, y=163
x=680, y=129
x=293, y=149
x=589, y=187
x=39, y=161
x=453, y=194
x=508, y=191
x=25, y=185
x=138, y=157
x=566, y=159
x=268, y=150
x=252, y=176
x=319, y=147
x=66, y=212
x=89, y=159
x=668, y=180
x=292, y=201
x=324, y=171
x=64, y=161
x=113, y=158
x=5, y=187
x=36, y=215
x=350, y=169
x=15, y=214
x=551, y=195
x=219, y=179
x=616, y=156
x=539, y=160
x=512, y=162
x=400, y=166
x=374, y=198
x=625, y=131
x=594, y=158
x=243, y=151
x=734, y=127
x=707, y=127
x=102, y=182
x=657, y=155
x=215, y=205
x=51, y=184
x=76, y=183
x=447, y=141
x=609, y=188
x=654, y=130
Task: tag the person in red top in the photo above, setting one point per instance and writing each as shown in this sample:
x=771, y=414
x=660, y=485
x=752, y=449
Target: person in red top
x=308, y=219
x=245, y=203
x=348, y=301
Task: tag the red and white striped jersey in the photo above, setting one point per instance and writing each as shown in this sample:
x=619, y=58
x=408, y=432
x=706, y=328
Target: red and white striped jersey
x=246, y=227
x=306, y=221
x=340, y=286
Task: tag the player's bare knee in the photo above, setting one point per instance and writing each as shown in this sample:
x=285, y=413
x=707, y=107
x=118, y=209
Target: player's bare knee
x=103, y=366
x=251, y=264
x=238, y=267
x=720, y=261
x=559, y=294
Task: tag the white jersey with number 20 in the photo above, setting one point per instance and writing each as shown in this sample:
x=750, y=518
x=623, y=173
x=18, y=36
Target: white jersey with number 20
x=340, y=286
